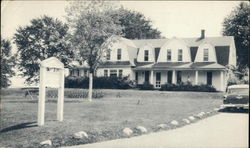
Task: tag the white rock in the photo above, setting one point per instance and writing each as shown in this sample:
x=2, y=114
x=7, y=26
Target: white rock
x=191, y=118
x=162, y=126
x=80, y=135
x=174, y=122
x=203, y=113
x=208, y=112
x=186, y=121
x=127, y=131
x=216, y=109
x=46, y=142
x=141, y=129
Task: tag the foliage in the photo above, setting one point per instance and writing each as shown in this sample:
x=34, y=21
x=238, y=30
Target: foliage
x=135, y=25
x=91, y=26
x=44, y=38
x=99, y=82
x=146, y=86
x=187, y=87
x=74, y=93
x=237, y=24
x=237, y=77
x=7, y=63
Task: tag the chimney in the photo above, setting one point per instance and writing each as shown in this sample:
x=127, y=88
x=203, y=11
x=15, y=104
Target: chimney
x=202, y=34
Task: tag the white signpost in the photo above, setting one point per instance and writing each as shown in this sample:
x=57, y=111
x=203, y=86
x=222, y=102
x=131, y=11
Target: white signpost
x=51, y=75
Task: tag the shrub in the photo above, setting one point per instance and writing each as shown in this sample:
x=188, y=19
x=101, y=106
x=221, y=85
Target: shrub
x=74, y=93
x=187, y=87
x=99, y=82
x=146, y=86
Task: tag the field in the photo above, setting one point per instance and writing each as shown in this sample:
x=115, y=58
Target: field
x=103, y=118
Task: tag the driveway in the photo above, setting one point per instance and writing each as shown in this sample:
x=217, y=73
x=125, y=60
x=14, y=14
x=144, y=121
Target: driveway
x=224, y=130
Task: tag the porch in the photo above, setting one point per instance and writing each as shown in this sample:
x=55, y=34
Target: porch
x=216, y=78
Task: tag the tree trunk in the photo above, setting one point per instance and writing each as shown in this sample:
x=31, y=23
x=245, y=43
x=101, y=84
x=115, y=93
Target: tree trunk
x=90, y=86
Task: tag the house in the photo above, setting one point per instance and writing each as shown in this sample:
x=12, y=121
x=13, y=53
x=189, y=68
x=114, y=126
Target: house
x=200, y=60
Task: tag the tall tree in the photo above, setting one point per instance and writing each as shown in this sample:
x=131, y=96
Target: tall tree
x=135, y=25
x=91, y=26
x=7, y=63
x=44, y=38
x=237, y=24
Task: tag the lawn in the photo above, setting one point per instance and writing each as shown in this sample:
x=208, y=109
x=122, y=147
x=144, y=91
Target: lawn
x=103, y=119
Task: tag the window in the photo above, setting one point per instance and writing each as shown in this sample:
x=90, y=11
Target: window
x=113, y=73
x=158, y=80
x=205, y=54
x=120, y=73
x=78, y=72
x=136, y=77
x=178, y=77
x=85, y=73
x=145, y=55
x=169, y=55
x=105, y=73
x=180, y=55
x=119, y=54
x=108, y=54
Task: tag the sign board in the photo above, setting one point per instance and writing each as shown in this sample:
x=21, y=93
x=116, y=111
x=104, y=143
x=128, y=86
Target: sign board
x=51, y=75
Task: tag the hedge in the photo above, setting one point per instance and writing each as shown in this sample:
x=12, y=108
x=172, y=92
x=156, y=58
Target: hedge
x=187, y=87
x=99, y=82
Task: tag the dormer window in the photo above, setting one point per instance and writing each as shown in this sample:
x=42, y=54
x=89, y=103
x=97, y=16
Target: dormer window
x=169, y=55
x=119, y=54
x=145, y=55
x=205, y=54
x=180, y=54
x=108, y=55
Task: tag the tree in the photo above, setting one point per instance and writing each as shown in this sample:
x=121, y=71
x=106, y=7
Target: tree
x=92, y=26
x=135, y=25
x=7, y=63
x=237, y=24
x=44, y=38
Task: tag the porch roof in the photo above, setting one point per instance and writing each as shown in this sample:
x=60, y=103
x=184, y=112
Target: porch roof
x=117, y=64
x=180, y=66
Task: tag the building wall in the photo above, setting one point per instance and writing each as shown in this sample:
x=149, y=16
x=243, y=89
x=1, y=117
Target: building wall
x=211, y=53
x=202, y=78
x=113, y=52
x=151, y=55
x=125, y=72
x=174, y=44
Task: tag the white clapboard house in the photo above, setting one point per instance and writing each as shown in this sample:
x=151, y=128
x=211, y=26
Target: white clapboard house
x=200, y=60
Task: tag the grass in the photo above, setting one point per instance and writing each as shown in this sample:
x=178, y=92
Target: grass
x=103, y=119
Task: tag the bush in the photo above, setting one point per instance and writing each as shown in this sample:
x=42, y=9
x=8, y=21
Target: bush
x=99, y=82
x=187, y=87
x=146, y=86
x=74, y=93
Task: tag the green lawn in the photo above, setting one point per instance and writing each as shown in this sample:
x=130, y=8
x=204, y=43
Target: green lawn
x=103, y=119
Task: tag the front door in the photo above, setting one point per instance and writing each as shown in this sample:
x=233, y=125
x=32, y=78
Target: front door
x=170, y=73
x=209, y=78
x=146, y=76
x=158, y=80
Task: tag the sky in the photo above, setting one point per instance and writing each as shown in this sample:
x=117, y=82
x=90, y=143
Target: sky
x=173, y=19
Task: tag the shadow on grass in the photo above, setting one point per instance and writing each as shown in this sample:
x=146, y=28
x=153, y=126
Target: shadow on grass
x=234, y=110
x=19, y=126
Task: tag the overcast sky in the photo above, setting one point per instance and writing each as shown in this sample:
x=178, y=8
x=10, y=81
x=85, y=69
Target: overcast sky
x=180, y=19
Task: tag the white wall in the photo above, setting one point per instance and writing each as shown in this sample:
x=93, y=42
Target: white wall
x=174, y=44
x=113, y=52
x=125, y=72
x=211, y=53
x=232, y=53
x=151, y=54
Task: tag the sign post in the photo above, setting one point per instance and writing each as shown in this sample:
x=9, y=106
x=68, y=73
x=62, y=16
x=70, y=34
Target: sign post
x=51, y=75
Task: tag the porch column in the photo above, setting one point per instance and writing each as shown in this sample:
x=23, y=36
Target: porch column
x=174, y=77
x=222, y=80
x=196, y=77
x=152, y=77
